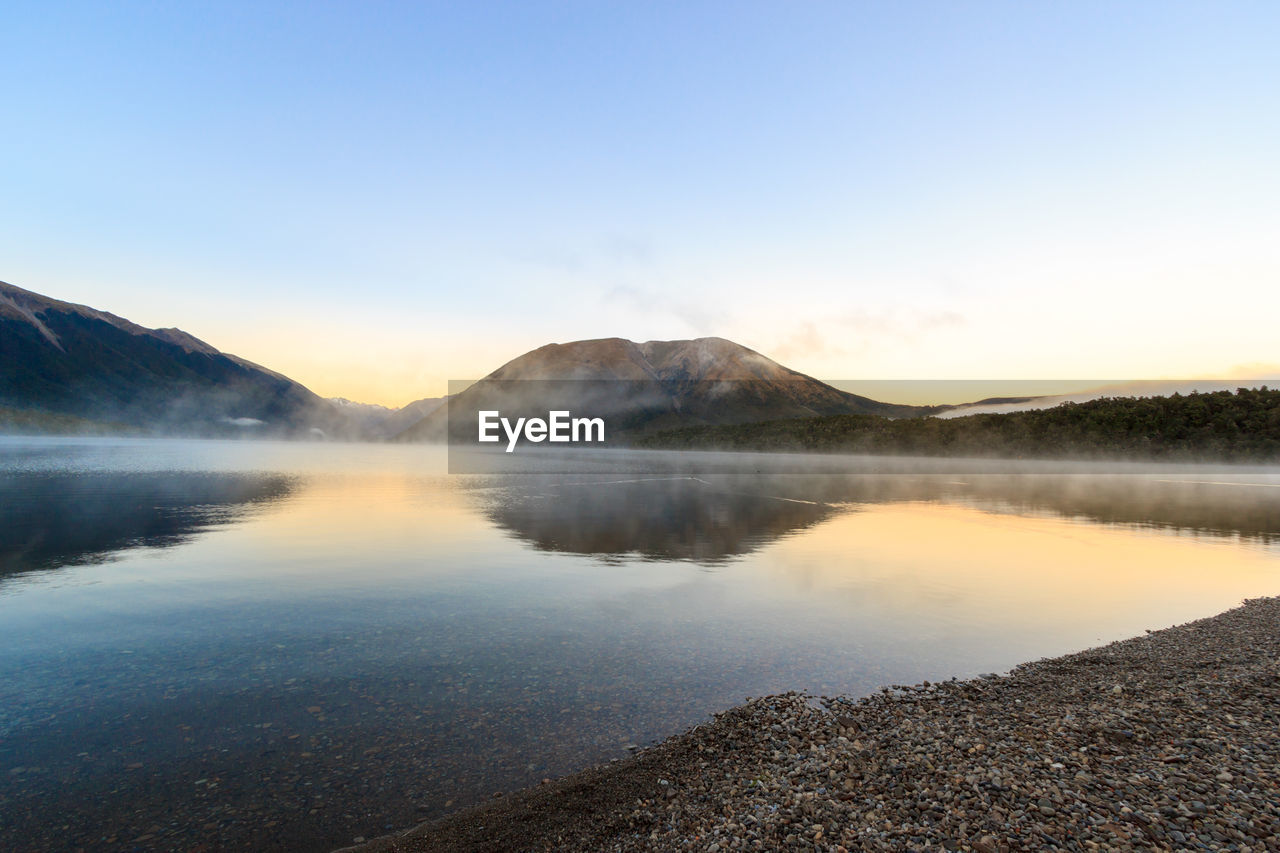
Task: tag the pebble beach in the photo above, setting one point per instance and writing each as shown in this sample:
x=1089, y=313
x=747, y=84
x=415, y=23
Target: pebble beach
x=1168, y=741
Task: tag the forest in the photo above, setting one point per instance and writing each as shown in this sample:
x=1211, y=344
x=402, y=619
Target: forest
x=1243, y=426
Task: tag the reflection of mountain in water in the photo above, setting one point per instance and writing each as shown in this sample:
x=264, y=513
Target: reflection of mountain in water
x=657, y=519
x=53, y=520
x=718, y=516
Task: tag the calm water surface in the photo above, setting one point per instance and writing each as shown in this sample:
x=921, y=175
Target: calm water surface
x=285, y=646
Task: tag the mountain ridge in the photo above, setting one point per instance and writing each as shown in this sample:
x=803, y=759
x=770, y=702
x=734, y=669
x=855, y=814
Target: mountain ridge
x=657, y=385
x=80, y=364
x=75, y=360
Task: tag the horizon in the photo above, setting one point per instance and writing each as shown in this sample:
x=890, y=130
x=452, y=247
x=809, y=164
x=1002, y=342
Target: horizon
x=944, y=192
x=971, y=396
x=963, y=393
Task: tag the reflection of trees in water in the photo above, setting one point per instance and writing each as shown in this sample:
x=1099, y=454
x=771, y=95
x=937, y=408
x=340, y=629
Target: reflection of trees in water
x=1251, y=511
x=49, y=520
x=718, y=516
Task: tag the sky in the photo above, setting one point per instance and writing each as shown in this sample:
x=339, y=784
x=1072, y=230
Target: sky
x=375, y=198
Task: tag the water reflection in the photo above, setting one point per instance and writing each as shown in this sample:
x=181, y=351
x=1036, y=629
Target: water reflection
x=715, y=517
x=52, y=519
x=365, y=641
x=683, y=518
x=1217, y=506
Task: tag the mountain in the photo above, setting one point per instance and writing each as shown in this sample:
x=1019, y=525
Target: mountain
x=406, y=416
x=374, y=421
x=72, y=360
x=368, y=418
x=644, y=387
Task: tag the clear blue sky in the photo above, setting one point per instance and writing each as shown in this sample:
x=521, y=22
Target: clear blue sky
x=376, y=197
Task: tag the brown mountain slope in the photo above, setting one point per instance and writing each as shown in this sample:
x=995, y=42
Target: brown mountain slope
x=642, y=387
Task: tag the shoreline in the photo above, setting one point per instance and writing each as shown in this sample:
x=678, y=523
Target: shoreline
x=1162, y=741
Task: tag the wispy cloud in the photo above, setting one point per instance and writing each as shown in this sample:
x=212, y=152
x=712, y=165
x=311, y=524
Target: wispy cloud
x=627, y=250
x=859, y=331
x=1254, y=370
x=655, y=304
x=604, y=256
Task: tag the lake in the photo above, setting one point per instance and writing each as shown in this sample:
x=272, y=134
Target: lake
x=254, y=645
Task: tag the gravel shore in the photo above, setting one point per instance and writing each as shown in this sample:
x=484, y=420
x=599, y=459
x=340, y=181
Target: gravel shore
x=1170, y=741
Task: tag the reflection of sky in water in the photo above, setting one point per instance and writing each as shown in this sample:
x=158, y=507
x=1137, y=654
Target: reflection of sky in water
x=331, y=640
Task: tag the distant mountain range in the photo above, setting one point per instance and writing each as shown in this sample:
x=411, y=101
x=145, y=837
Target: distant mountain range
x=646, y=387
x=381, y=422
x=69, y=367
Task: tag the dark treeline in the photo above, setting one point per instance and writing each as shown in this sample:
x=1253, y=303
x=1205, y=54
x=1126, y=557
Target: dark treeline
x=1244, y=425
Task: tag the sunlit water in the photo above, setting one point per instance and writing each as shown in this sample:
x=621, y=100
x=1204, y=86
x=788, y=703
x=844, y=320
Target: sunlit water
x=275, y=646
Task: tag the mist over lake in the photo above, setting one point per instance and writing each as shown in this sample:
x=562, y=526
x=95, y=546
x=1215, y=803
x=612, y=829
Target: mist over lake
x=282, y=646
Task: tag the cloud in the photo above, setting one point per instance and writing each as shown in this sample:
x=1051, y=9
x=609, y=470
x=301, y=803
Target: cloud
x=609, y=254
x=561, y=261
x=654, y=303
x=899, y=323
x=804, y=341
x=1254, y=370
x=631, y=251
x=859, y=331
